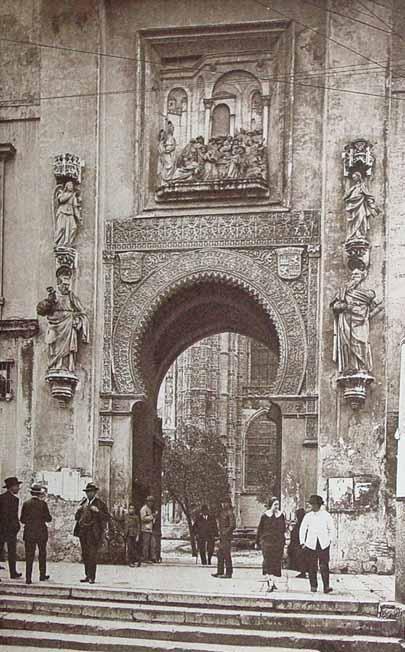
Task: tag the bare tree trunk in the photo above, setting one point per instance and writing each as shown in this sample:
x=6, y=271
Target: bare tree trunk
x=192, y=536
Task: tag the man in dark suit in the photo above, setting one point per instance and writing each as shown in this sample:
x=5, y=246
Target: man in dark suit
x=9, y=523
x=91, y=519
x=35, y=516
x=226, y=526
x=206, y=531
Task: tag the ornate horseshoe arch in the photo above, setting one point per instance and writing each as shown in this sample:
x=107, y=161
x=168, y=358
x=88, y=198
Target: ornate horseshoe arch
x=230, y=269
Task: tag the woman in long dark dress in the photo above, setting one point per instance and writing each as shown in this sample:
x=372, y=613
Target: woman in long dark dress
x=271, y=539
x=296, y=555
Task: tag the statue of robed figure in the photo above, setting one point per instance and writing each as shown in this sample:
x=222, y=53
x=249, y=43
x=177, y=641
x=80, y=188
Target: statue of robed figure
x=360, y=206
x=353, y=308
x=67, y=322
x=67, y=214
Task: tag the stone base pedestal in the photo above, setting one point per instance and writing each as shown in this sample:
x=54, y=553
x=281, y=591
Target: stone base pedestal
x=212, y=190
x=355, y=387
x=358, y=253
x=63, y=383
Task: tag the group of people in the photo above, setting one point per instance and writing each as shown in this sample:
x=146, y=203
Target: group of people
x=91, y=519
x=309, y=546
x=310, y=541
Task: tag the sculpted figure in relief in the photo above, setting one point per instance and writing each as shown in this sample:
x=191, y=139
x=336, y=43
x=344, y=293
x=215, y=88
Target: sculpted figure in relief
x=167, y=153
x=360, y=205
x=67, y=321
x=67, y=214
x=242, y=156
x=353, y=307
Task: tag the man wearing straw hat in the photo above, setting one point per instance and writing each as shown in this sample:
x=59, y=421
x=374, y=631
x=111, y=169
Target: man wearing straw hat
x=91, y=519
x=9, y=523
x=35, y=516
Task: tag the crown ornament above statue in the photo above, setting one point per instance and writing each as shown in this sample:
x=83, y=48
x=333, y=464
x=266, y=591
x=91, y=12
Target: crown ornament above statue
x=68, y=167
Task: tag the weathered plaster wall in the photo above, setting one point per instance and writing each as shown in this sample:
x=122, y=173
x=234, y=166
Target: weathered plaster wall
x=353, y=443
x=102, y=130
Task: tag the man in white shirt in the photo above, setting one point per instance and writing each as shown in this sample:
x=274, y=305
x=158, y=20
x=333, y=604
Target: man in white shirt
x=317, y=532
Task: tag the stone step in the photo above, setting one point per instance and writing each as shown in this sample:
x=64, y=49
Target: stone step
x=50, y=643
x=288, y=602
x=184, y=635
x=127, y=611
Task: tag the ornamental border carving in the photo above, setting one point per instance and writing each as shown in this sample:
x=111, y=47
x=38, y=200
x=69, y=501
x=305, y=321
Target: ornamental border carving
x=221, y=266
x=276, y=228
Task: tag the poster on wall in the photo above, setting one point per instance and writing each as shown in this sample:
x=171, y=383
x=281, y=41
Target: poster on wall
x=340, y=494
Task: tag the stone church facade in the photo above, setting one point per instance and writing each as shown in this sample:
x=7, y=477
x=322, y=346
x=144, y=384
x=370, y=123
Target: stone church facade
x=174, y=170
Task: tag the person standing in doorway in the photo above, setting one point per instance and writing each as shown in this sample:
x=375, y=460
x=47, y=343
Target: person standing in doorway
x=132, y=535
x=226, y=526
x=317, y=532
x=206, y=531
x=148, y=518
x=35, y=516
x=271, y=540
x=9, y=523
x=91, y=519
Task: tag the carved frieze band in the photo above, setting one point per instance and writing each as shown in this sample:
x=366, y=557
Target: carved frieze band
x=259, y=230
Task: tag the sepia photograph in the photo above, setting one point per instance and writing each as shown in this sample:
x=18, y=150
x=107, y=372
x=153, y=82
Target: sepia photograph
x=202, y=325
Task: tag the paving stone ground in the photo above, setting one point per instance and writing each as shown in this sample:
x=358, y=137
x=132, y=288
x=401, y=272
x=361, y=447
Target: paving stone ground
x=187, y=576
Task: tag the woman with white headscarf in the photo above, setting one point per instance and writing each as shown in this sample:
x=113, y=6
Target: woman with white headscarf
x=271, y=540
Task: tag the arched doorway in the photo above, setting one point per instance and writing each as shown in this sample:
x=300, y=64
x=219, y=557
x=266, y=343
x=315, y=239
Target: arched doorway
x=192, y=296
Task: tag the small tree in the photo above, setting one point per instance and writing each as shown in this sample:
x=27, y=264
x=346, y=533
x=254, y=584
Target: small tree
x=195, y=472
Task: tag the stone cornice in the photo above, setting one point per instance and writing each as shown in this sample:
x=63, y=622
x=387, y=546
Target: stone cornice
x=19, y=327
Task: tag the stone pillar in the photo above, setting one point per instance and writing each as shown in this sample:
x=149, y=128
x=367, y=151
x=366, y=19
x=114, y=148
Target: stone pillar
x=6, y=151
x=266, y=117
x=207, y=106
x=400, y=492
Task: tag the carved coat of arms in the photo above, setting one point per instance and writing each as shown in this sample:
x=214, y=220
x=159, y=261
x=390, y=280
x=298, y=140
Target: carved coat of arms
x=131, y=266
x=289, y=262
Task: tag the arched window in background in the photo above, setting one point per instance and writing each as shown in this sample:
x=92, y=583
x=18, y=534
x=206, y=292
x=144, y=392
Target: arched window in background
x=263, y=452
x=221, y=121
x=177, y=113
x=262, y=361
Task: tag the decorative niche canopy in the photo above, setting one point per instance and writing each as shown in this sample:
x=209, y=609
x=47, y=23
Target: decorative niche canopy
x=215, y=117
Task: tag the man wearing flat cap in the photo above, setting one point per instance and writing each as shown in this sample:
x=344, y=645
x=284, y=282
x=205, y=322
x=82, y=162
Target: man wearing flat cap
x=9, y=523
x=35, y=516
x=91, y=519
x=317, y=532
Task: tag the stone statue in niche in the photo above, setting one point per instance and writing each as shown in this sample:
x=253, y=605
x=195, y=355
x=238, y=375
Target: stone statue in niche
x=223, y=158
x=353, y=308
x=360, y=206
x=67, y=322
x=67, y=214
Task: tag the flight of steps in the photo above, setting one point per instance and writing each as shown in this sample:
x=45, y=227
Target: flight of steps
x=55, y=617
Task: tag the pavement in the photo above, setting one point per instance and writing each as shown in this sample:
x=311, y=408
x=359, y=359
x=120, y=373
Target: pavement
x=183, y=575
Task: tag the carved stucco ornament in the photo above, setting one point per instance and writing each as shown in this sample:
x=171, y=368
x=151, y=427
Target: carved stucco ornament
x=131, y=266
x=224, y=267
x=289, y=262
